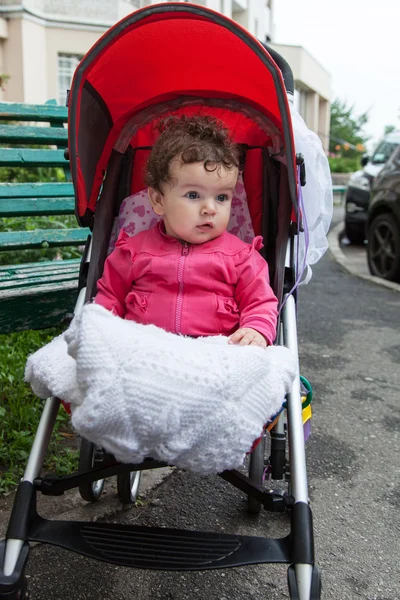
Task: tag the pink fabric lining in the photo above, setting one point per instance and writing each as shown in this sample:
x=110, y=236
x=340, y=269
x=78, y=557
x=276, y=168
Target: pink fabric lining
x=136, y=215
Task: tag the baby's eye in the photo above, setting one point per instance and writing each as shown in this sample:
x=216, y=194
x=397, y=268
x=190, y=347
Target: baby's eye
x=222, y=198
x=192, y=195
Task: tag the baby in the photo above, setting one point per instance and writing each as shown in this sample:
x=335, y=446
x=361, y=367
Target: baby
x=187, y=274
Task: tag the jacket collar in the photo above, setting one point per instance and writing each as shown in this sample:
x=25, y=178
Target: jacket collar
x=160, y=229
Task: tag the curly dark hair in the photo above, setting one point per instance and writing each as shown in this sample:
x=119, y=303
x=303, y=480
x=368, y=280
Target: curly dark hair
x=190, y=139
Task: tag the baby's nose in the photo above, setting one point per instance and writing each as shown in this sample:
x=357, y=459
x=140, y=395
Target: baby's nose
x=209, y=207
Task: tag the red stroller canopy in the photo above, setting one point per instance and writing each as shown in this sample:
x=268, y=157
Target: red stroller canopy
x=160, y=54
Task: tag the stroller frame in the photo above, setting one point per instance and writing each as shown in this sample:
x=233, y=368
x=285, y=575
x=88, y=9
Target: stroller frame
x=160, y=548
x=213, y=550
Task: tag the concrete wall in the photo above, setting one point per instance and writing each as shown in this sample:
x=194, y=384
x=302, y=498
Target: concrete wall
x=254, y=16
x=13, y=62
x=31, y=58
x=34, y=51
x=64, y=41
x=313, y=83
x=306, y=69
x=90, y=11
x=3, y=43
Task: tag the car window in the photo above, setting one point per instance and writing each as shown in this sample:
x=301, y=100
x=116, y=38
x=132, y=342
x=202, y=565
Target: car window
x=383, y=152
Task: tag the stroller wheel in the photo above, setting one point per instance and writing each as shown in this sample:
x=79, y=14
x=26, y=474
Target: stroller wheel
x=256, y=473
x=89, y=455
x=128, y=486
x=20, y=593
x=23, y=593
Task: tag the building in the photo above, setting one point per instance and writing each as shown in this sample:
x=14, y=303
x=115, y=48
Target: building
x=312, y=89
x=42, y=41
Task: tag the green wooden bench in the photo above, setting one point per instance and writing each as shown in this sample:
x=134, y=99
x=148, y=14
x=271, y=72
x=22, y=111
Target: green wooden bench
x=35, y=295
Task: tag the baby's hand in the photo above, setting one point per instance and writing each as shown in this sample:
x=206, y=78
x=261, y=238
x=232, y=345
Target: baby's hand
x=245, y=336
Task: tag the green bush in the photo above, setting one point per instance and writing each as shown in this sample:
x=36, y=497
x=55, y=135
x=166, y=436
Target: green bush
x=20, y=411
x=30, y=175
x=343, y=165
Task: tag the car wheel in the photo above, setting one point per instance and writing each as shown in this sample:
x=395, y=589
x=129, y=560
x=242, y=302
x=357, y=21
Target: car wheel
x=384, y=247
x=355, y=233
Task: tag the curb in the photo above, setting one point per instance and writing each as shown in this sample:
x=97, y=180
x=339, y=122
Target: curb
x=109, y=504
x=340, y=257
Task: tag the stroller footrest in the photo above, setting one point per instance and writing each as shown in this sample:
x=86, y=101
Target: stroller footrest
x=160, y=548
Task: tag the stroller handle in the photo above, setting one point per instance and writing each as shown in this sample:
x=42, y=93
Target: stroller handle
x=284, y=67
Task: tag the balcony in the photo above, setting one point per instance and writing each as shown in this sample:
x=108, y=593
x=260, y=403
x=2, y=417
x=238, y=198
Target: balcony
x=239, y=5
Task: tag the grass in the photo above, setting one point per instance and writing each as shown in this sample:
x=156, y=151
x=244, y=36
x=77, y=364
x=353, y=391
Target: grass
x=20, y=412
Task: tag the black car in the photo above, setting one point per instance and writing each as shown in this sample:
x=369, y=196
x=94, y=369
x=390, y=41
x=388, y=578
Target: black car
x=359, y=187
x=383, y=224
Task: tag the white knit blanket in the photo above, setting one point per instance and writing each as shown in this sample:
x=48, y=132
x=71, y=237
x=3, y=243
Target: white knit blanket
x=138, y=391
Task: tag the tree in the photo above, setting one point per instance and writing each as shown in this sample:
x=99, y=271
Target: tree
x=389, y=129
x=347, y=138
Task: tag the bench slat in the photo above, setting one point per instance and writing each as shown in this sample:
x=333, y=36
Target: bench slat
x=39, y=238
x=28, y=207
x=36, y=190
x=33, y=135
x=33, y=112
x=14, y=276
x=44, y=278
x=37, y=307
x=29, y=268
x=27, y=157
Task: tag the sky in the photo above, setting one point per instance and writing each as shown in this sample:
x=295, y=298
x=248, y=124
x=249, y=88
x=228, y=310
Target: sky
x=358, y=42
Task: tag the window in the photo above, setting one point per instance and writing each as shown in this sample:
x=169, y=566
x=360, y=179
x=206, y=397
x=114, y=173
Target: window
x=67, y=64
x=383, y=152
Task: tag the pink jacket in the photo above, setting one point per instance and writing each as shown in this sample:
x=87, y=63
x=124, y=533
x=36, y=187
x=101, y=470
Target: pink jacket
x=198, y=290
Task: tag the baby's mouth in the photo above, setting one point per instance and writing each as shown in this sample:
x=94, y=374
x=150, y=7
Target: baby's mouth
x=206, y=226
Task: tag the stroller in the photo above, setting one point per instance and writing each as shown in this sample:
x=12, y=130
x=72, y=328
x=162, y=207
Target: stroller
x=178, y=58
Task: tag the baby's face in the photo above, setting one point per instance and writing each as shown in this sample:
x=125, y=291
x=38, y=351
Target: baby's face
x=196, y=205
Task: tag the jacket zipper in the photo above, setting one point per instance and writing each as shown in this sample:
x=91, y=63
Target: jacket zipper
x=179, y=300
